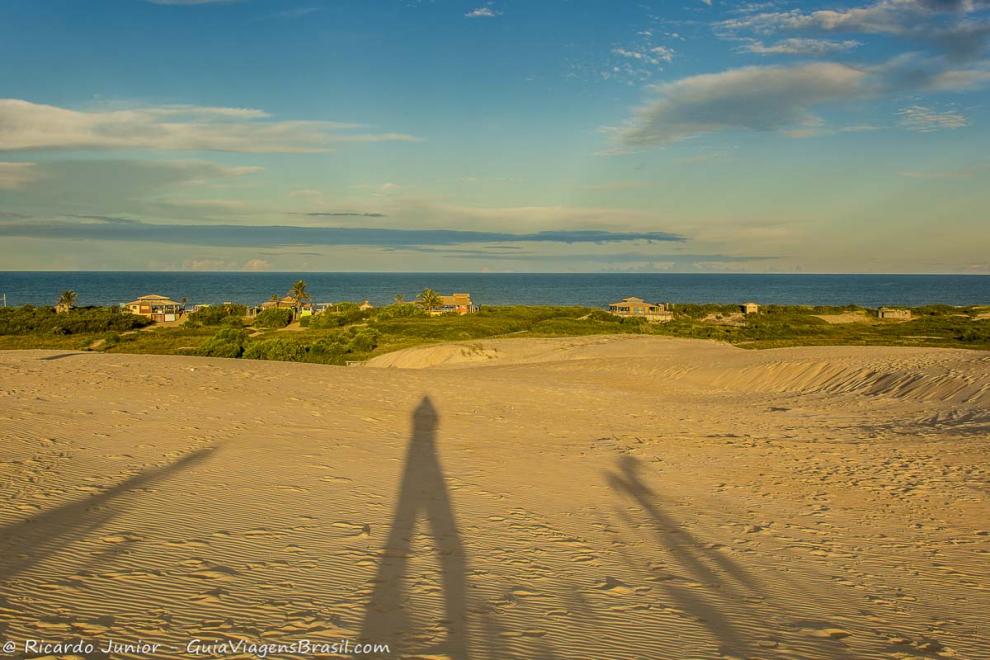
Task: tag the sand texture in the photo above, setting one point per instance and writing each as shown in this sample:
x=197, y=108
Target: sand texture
x=607, y=497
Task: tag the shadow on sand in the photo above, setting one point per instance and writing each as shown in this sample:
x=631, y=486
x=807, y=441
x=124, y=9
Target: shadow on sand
x=423, y=492
x=698, y=562
x=25, y=543
x=59, y=356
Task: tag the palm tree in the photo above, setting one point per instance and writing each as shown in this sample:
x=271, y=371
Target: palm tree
x=430, y=299
x=66, y=301
x=299, y=293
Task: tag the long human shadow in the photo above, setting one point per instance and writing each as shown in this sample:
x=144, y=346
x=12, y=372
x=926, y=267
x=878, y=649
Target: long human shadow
x=59, y=356
x=26, y=543
x=692, y=556
x=423, y=492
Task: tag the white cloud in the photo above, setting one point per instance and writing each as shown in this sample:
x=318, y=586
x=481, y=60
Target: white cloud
x=798, y=46
x=755, y=98
x=925, y=120
x=948, y=25
x=17, y=175
x=782, y=98
x=483, y=12
x=27, y=125
x=651, y=55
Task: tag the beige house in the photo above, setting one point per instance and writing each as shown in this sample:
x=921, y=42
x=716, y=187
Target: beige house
x=894, y=314
x=157, y=308
x=637, y=307
x=365, y=306
x=749, y=308
x=456, y=303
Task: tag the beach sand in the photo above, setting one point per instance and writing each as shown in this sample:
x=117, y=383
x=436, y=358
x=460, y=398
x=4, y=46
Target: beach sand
x=606, y=497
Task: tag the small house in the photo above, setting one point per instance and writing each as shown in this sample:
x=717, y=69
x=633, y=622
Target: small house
x=637, y=307
x=286, y=302
x=456, y=303
x=894, y=314
x=365, y=306
x=157, y=308
x=749, y=308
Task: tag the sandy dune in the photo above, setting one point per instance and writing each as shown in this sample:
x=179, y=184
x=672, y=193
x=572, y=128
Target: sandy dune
x=580, y=498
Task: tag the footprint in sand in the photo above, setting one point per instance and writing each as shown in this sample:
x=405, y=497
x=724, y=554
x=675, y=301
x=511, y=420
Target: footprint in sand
x=211, y=597
x=215, y=573
x=120, y=538
x=353, y=529
x=88, y=629
x=614, y=586
x=187, y=543
x=261, y=532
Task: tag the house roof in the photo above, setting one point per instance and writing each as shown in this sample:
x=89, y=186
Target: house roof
x=456, y=299
x=633, y=300
x=153, y=299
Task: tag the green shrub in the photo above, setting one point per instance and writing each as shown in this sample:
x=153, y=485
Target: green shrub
x=273, y=318
x=29, y=320
x=364, y=341
x=275, y=349
x=329, y=350
x=226, y=343
x=216, y=315
x=341, y=315
x=398, y=311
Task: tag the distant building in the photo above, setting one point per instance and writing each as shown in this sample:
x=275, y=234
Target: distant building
x=455, y=303
x=894, y=314
x=637, y=307
x=157, y=308
x=286, y=302
x=365, y=306
x=63, y=308
x=749, y=308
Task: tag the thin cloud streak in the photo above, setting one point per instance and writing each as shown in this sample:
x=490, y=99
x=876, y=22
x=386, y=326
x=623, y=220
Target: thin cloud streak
x=283, y=236
x=26, y=126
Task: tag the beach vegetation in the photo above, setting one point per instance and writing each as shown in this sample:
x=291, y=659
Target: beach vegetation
x=217, y=314
x=226, y=343
x=273, y=318
x=31, y=320
x=275, y=349
x=345, y=333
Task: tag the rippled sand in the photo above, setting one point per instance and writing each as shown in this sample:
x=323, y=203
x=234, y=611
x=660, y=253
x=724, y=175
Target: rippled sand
x=622, y=497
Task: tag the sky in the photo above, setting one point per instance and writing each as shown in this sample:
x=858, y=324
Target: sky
x=502, y=136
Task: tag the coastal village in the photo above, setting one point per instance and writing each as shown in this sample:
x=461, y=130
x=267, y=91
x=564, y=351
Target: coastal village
x=298, y=303
x=162, y=309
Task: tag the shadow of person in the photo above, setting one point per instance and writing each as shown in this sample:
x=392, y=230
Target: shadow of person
x=698, y=561
x=25, y=543
x=423, y=491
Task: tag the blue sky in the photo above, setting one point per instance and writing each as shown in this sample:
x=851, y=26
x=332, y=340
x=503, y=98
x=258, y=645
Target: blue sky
x=327, y=135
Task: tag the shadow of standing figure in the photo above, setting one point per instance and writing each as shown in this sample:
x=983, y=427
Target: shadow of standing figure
x=721, y=575
x=422, y=491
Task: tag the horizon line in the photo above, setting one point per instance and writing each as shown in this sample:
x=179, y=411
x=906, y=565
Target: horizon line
x=472, y=272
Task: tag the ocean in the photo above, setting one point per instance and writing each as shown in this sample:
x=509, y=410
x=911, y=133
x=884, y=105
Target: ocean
x=594, y=290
